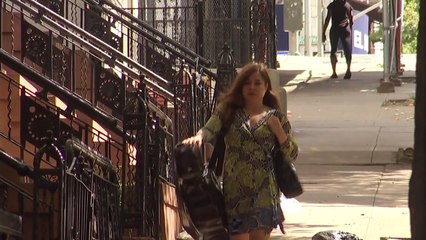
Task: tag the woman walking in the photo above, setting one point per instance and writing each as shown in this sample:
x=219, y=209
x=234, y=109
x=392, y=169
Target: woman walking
x=250, y=113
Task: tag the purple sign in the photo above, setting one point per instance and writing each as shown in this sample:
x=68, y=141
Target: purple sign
x=360, y=40
x=282, y=36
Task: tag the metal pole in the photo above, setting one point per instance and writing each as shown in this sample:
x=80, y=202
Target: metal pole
x=307, y=28
x=386, y=86
x=273, y=36
x=200, y=28
x=1, y=23
x=394, y=28
x=386, y=41
x=320, y=48
x=399, y=19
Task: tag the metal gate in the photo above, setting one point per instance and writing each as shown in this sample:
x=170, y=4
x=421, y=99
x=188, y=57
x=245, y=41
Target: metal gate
x=227, y=21
x=174, y=18
x=203, y=26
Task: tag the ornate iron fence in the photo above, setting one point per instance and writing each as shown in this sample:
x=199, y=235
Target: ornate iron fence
x=247, y=26
x=174, y=20
x=227, y=21
x=88, y=85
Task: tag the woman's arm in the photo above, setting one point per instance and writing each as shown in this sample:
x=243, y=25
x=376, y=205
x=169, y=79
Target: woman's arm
x=281, y=128
x=206, y=133
x=289, y=148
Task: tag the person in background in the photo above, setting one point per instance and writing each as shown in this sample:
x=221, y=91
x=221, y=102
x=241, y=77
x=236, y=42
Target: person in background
x=340, y=13
x=250, y=113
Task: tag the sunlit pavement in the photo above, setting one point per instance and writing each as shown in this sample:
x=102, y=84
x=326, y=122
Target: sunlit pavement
x=354, y=179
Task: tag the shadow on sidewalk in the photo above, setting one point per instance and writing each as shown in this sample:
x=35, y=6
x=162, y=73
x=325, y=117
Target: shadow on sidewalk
x=361, y=185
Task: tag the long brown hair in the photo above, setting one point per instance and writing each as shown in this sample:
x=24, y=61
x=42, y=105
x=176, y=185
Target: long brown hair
x=233, y=99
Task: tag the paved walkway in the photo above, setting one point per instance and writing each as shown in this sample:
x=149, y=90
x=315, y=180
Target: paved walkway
x=349, y=136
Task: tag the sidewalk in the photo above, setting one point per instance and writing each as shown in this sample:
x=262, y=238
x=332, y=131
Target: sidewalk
x=348, y=143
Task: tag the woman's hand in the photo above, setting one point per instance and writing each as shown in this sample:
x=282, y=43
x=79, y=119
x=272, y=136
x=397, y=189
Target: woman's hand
x=194, y=140
x=274, y=125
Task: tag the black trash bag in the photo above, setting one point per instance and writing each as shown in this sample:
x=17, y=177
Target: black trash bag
x=335, y=235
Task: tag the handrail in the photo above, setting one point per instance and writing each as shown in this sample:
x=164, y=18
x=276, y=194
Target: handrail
x=16, y=187
x=13, y=141
x=75, y=144
x=71, y=99
x=61, y=24
x=34, y=95
x=164, y=38
x=22, y=169
x=160, y=114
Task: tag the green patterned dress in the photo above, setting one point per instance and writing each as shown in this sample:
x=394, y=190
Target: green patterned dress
x=250, y=192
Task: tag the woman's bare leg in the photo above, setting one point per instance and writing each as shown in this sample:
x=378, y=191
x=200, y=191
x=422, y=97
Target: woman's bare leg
x=260, y=234
x=243, y=236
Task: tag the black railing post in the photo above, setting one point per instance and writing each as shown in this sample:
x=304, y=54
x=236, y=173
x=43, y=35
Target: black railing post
x=50, y=150
x=194, y=101
x=141, y=175
x=272, y=36
x=200, y=28
x=225, y=70
x=1, y=23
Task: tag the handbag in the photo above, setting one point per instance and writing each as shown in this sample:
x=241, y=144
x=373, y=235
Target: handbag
x=200, y=198
x=285, y=174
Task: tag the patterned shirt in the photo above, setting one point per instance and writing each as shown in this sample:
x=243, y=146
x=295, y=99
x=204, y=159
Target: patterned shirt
x=248, y=180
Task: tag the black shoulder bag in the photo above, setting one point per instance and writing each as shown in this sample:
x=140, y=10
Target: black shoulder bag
x=284, y=171
x=285, y=174
x=200, y=198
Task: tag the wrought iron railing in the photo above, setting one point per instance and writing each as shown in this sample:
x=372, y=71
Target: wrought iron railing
x=166, y=71
x=90, y=196
x=125, y=90
x=204, y=26
x=182, y=67
x=66, y=101
x=58, y=186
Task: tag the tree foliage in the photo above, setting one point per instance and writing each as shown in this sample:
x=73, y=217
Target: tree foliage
x=377, y=35
x=410, y=26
